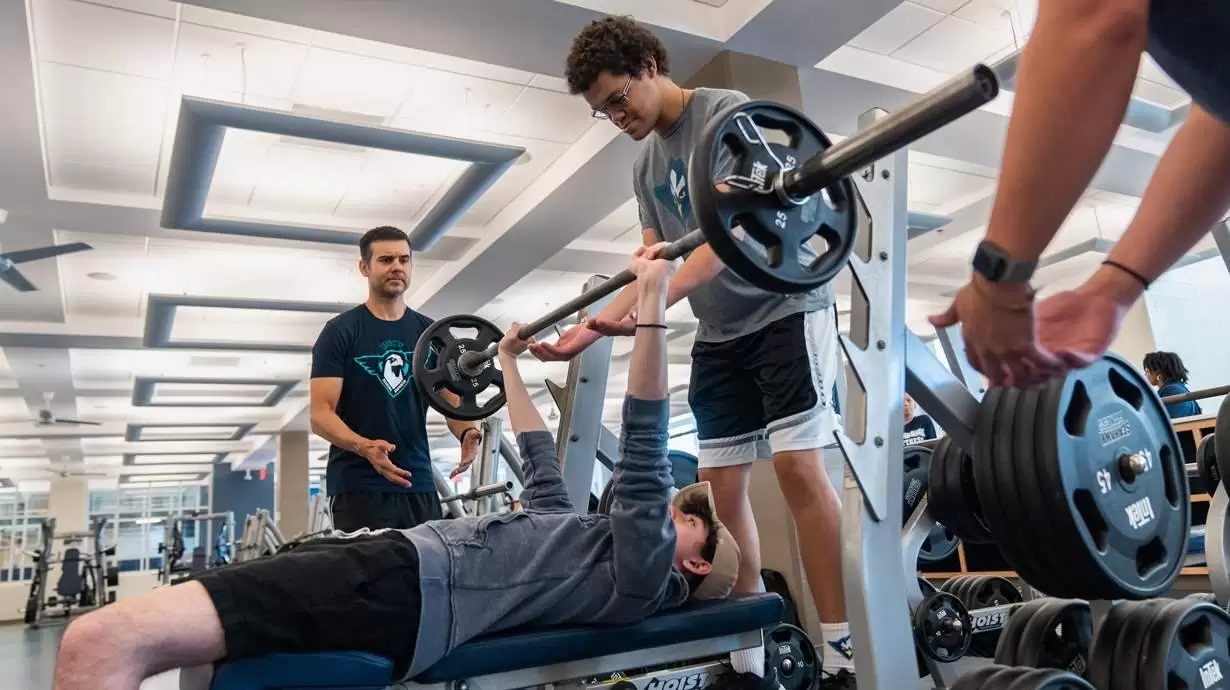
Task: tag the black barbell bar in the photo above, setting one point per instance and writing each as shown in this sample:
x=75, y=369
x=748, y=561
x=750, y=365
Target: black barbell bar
x=945, y=104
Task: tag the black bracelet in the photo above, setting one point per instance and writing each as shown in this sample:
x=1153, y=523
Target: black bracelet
x=1143, y=281
x=651, y=325
x=468, y=430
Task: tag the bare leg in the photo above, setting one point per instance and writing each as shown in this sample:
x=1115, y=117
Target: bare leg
x=816, y=508
x=734, y=509
x=119, y=645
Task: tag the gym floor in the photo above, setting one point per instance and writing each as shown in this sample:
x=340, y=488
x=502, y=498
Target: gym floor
x=27, y=660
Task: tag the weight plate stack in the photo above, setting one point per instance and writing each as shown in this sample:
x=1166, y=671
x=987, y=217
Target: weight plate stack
x=1206, y=463
x=791, y=652
x=1048, y=633
x=951, y=495
x=984, y=593
x=1083, y=483
x=941, y=543
x=942, y=627
x=917, y=457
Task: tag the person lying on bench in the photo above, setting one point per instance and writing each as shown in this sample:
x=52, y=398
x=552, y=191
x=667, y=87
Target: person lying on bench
x=414, y=595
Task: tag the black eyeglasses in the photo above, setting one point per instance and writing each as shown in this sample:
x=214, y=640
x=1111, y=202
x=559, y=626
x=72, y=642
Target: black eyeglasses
x=617, y=102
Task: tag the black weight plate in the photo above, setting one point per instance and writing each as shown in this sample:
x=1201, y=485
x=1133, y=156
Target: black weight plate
x=1222, y=430
x=942, y=627
x=998, y=475
x=1003, y=679
x=917, y=457
x=1134, y=527
x=1050, y=679
x=990, y=591
x=943, y=507
x=1102, y=654
x=791, y=652
x=974, y=679
x=966, y=587
x=784, y=261
x=1188, y=645
x=1059, y=635
x=939, y=545
x=1130, y=643
x=1042, y=550
x=925, y=585
x=914, y=488
x=1206, y=463
x=436, y=369
x=1005, y=651
x=971, y=525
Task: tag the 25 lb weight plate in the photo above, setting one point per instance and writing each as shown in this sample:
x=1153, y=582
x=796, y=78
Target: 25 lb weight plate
x=435, y=368
x=1058, y=635
x=781, y=256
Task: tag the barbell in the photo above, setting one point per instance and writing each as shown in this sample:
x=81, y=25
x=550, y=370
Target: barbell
x=743, y=186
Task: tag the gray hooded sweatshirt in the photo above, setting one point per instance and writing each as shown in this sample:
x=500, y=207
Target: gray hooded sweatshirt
x=548, y=565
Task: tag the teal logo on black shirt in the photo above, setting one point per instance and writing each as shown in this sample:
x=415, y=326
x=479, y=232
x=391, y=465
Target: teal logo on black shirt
x=391, y=367
x=673, y=194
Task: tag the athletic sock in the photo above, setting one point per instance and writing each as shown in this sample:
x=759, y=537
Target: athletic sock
x=838, y=652
x=748, y=660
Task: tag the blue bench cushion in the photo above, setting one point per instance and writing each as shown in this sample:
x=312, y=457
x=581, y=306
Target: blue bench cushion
x=506, y=651
x=350, y=670
x=1195, y=540
x=516, y=649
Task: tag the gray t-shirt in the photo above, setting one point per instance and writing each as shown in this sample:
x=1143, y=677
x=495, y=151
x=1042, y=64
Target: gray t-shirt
x=728, y=306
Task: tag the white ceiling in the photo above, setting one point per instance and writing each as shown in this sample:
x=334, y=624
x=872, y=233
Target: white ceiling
x=95, y=86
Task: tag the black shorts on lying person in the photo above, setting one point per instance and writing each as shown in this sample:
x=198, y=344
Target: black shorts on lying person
x=414, y=595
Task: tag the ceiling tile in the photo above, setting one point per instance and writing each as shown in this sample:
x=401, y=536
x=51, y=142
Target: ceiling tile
x=993, y=14
x=118, y=294
x=945, y=6
x=103, y=38
x=209, y=60
x=421, y=58
x=541, y=155
x=547, y=115
x=304, y=178
x=13, y=409
x=454, y=104
x=247, y=325
x=353, y=83
x=896, y=28
x=542, y=81
x=238, y=168
x=953, y=45
x=121, y=127
x=158, y=8
x=616, y=223
x=102, y=178
x=1150, y=70
x=940, y=186
x=193, y=14
x=1159, y=94
x=393, y=187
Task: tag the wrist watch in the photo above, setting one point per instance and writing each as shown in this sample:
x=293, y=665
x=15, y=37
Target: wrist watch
x=993, y=263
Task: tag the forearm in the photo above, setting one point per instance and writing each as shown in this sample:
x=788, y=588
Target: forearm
x=1073, y=85
x=701, y=266
x=647, y=370
x=1189, y=192
x=329, y=426
x=522, y=413
x=459, y=427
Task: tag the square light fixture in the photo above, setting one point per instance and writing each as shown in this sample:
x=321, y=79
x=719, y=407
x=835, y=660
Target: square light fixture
x=155, y=391
x=187, y=432
x=202, y=126
x=161, y=311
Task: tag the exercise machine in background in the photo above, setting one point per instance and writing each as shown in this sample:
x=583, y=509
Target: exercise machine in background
x=213, y=551
x=86, y=581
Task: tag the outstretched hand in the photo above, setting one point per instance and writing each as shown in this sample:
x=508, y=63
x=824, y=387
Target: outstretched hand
x=1079, y=325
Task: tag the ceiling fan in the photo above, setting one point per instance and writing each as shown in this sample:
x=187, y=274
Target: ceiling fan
x=9, y=261
x=63, y=471
x=47, y=418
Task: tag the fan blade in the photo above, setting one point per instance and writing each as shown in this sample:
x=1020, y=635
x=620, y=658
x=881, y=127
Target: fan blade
x=14, y=277
x=24, y=255
x=77, y=421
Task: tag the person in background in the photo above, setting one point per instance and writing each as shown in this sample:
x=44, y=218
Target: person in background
x=763, y=364
x=1165, y=370
x=365, y=404
x=918, y=427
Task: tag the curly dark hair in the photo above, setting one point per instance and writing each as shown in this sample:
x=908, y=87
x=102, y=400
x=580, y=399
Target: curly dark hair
x=617, y=45
x=1167, y=365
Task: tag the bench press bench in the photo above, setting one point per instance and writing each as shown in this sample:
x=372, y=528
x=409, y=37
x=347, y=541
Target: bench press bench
x=520, y=658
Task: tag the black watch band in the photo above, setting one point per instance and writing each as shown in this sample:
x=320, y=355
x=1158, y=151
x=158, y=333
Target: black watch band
x=993, y=263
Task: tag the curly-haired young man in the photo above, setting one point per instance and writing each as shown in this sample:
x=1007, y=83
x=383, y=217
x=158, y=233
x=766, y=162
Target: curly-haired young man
x=763, y=363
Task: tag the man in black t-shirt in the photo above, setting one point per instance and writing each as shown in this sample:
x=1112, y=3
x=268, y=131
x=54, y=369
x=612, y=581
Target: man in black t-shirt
x=368, y=408
x=918, y=427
